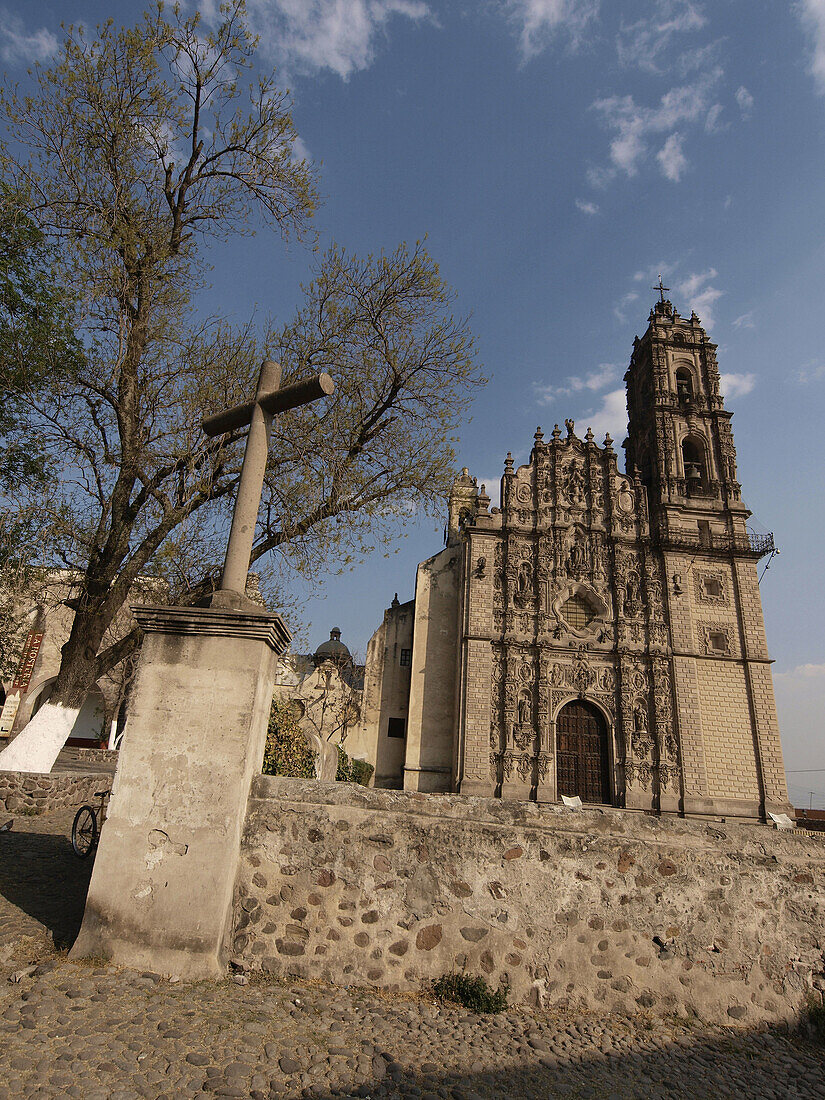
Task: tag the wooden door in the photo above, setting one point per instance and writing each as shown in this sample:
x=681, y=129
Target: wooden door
x=582, y=759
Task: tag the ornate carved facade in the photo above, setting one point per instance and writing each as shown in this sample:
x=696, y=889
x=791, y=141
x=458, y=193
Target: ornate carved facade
x=604, y=629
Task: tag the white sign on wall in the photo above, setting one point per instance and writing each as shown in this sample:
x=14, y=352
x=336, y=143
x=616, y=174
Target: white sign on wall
x=9, y=713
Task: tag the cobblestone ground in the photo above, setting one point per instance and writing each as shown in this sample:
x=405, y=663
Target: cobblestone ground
x=99, y=1033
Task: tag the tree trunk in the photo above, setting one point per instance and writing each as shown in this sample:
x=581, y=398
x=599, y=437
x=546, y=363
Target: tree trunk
x=78, y=663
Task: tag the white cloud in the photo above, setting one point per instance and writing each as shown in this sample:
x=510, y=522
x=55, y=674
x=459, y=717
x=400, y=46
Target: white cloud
x=811, y=372
x=800, y=702
x=540, y=21
x=620, y=308
x=587, y=207
x=688, y=291
x=307, y=36
x=695, y=291
x=745, y=101
x=17, y=46
x=736, y=385
x=671, y=159
x=493, y=487
x=608, y=418
x=662, y=268
x=594, y=381
x=801, y=670
x=745, y=320
x=642, y=44
x=691, y=285
x=812, y=13
x=300, y=150
x=633, y=124
x=712, y=123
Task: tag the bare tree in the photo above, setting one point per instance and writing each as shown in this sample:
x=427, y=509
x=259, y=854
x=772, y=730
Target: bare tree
x=138, y=144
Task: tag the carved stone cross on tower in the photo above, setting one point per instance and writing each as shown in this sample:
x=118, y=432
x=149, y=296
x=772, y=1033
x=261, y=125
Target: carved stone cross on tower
x=269, y=399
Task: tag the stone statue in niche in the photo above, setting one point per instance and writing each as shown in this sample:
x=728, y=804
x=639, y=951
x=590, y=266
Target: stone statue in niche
x=632, y=593
x=577, y=561
x=640, y=718
x=574, y=485
x=599, y=572
x=524, y=582
x=525, y=711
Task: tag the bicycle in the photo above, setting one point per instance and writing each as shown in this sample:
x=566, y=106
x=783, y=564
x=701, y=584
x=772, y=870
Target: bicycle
x=87, y=824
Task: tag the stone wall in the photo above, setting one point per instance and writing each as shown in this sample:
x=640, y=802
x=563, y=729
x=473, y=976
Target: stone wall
x=604, y=910
x=23, y=793
x=78, y=752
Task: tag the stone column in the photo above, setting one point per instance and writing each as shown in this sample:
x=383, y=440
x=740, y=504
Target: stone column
x=161, y=891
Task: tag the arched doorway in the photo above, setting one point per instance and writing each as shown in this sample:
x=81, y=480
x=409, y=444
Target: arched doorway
x=582, y=756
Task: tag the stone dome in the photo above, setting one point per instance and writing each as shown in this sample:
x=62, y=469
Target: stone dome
x=334, y=649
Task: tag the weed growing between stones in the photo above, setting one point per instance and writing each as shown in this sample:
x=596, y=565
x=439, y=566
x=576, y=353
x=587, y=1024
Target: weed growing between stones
x=472, y=993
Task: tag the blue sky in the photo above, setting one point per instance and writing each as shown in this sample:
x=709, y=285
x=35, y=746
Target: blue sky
x=559, y=154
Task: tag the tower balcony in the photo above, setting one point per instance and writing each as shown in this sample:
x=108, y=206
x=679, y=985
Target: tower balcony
x=750, y=544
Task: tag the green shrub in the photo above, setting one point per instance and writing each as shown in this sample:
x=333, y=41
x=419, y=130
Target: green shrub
x=473, y=993
x=352, y=771
x=287, y=750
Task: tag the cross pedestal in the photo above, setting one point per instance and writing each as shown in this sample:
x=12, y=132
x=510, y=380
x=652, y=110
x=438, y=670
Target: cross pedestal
x=160, y=896
x=161, y=891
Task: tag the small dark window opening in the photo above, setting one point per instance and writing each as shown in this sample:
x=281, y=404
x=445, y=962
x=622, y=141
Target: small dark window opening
x=396, y=727
x=713, y=587
x=718, y=640
x=704, y=532
x=406, y=658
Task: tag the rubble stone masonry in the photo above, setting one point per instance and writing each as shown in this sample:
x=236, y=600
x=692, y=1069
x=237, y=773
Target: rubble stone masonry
x=600, y=909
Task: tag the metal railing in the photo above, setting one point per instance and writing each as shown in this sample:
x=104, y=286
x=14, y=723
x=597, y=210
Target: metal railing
x=751, y=543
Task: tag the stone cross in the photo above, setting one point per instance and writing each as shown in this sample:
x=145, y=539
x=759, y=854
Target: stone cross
x=269, y=399
x=661, y=288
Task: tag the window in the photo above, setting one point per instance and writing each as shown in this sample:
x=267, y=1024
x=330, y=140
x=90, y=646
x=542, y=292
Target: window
x=704, y=532
x=577, y=612
x=396, y=727
x=406, y=658
x=718, y=641
x=712, y=586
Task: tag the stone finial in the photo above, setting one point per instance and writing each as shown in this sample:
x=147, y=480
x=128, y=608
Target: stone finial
x=588, y=436
x=483, y=501
x=556, y=432
x=608, y=441
x=395, y=602
x=508, y=463
x=539, y=436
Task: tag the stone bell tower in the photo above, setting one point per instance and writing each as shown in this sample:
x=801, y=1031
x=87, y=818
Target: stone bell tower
x=680, y=442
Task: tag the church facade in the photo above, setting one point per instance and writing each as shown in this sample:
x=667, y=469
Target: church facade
x=601, y=633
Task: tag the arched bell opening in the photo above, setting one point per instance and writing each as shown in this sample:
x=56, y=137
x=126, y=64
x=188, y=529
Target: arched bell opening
x=684, y=385
x=694, y=465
